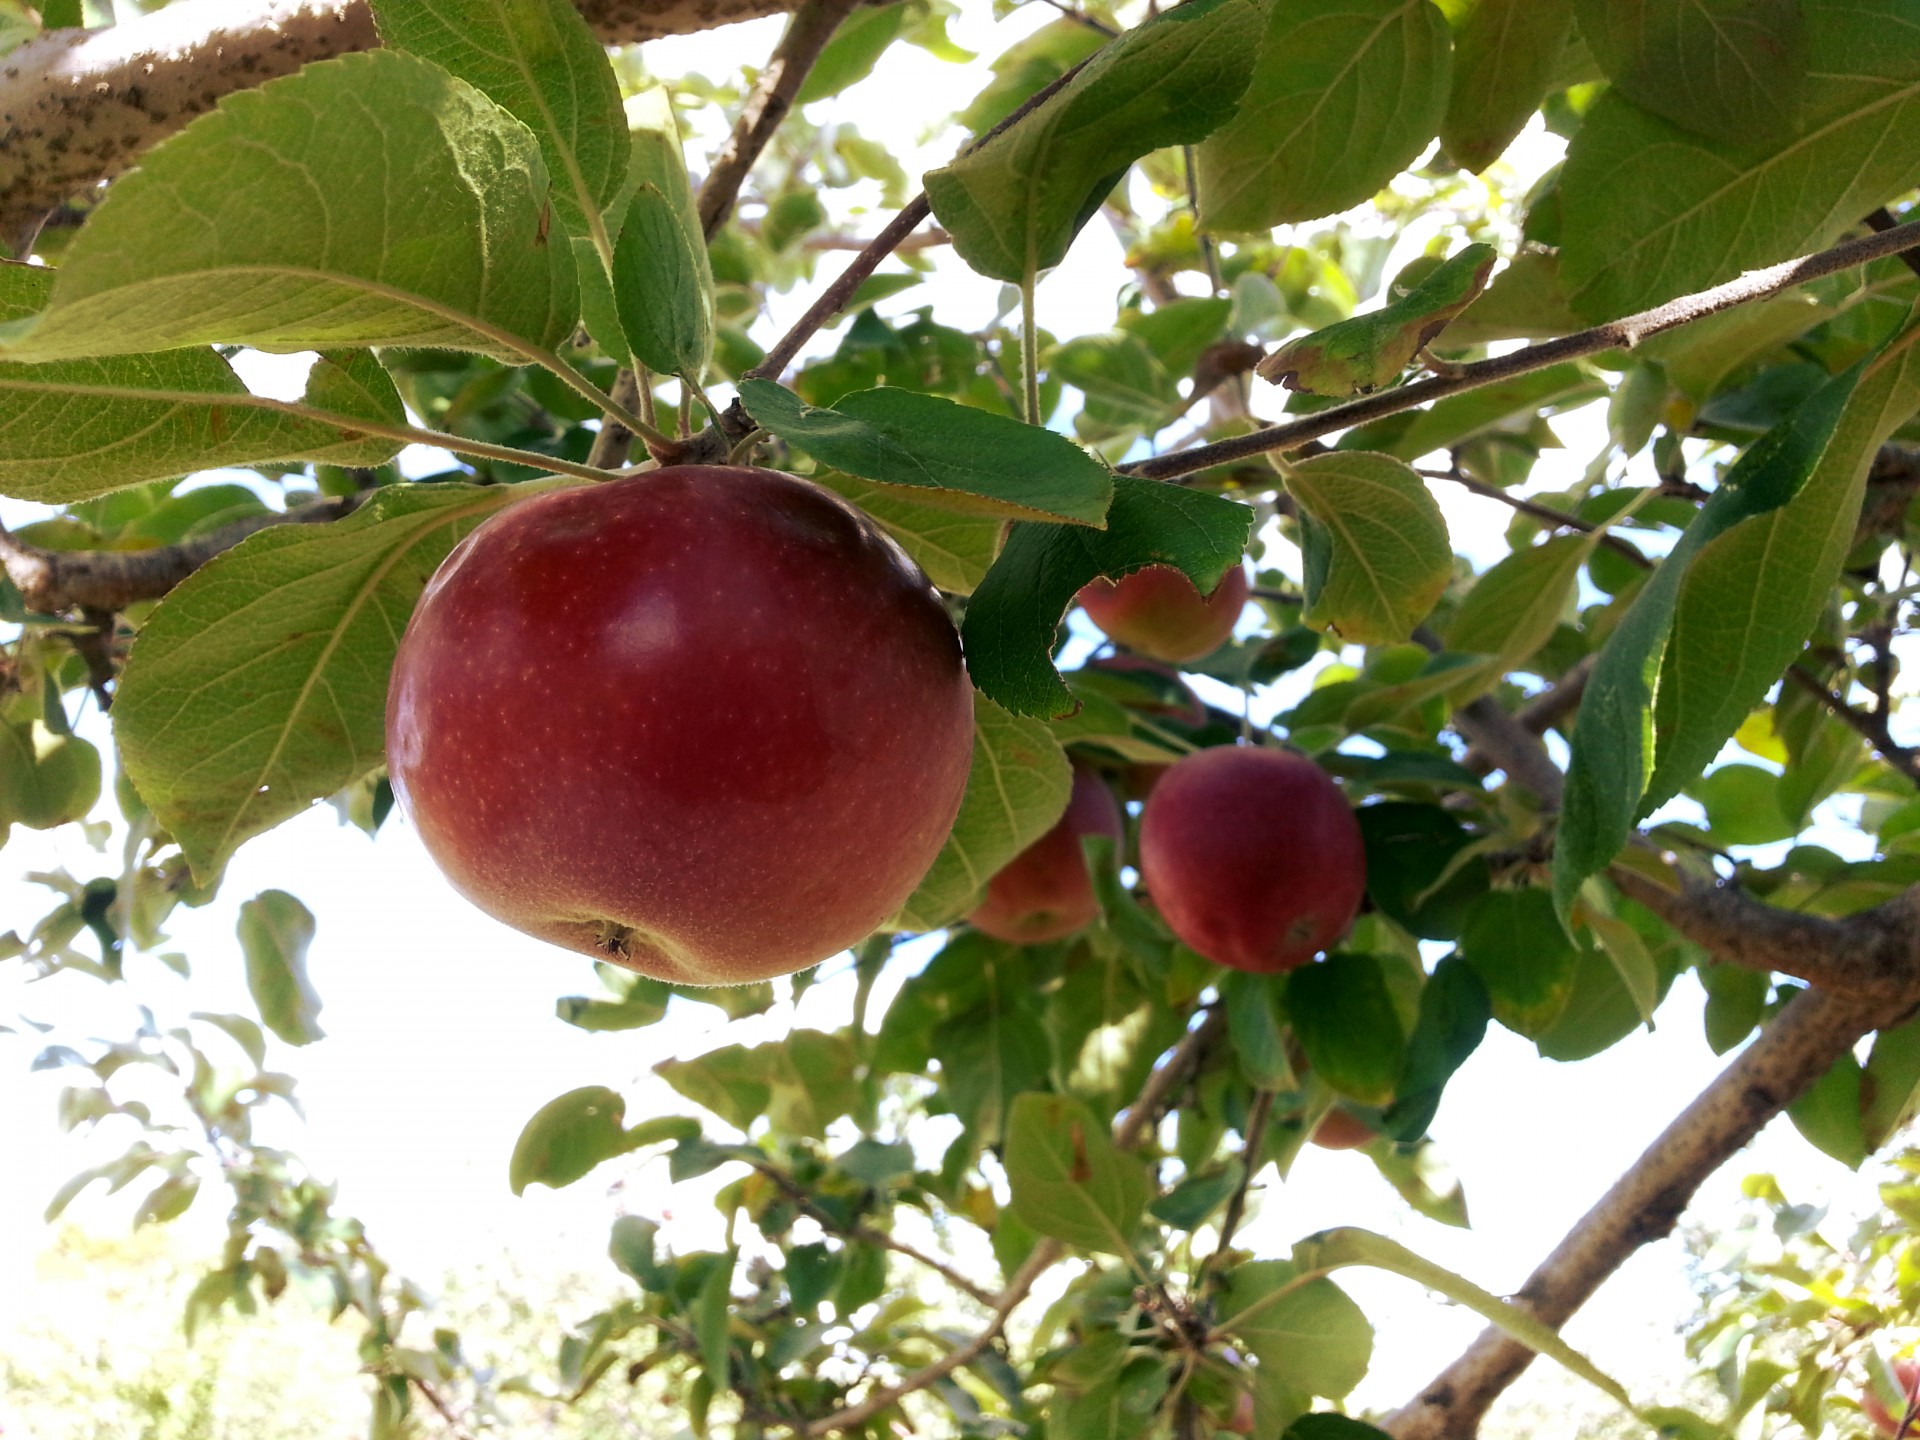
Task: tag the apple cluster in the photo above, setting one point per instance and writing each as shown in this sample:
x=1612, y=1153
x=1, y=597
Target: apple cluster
x=711, y=724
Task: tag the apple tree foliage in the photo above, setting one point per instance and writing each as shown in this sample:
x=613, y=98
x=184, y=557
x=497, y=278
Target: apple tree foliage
x=484, y=225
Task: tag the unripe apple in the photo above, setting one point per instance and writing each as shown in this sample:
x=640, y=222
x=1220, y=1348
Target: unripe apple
x=1342, y=1130
x=1906, y=1374
x=1045, y=892
x=707, y=723
x=1158, y=611
x=1252, y=857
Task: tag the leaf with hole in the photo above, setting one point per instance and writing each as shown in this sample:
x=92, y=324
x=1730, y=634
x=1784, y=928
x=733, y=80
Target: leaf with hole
x=1010, y=624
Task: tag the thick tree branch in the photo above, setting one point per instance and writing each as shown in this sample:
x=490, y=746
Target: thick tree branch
x=1621, y=334
x=1137, y=1124
x=81, y=106
x=773, y=95
x=54, y=581
x=1794, y=1051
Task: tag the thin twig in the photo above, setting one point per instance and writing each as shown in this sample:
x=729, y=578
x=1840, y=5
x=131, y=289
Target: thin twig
x=1621, y=334
x=1873, y=726
x=1255, y=1135
x=773, y=95
x=615, y=441
x=836, y=295
x=1881, y=219
x=1138, y=1123
x=1544, y=513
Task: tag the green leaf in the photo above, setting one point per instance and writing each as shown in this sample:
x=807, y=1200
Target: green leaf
x=1377, y=551
x=1751, y=597
x=1028, y=66
x=1631, y=960
x=993, y=1052
x=275, y=930
x=1336, y=1249
x=168, y=1200
x=416, y=215
x=1731, y=70
x=259, y=685
x=1890, y=1090
x=1312, y=1337
x=1415, y=874
x=1505, y=55
x=1124, y=382
x=1830, y=1115
x=72, y=429
x=955, y=550
x=1344, y=95
x=1018, y=787
x=662, y=278
x=1068, y=1179
x=1345, y=1021
x=1514, y=942
x=1612, y=740
x=1325, y=1425
x=731, y=1081
x=1014, y=204
x=1010, y=624
x=1454, y=1011
x=631, y=1246
x=1368, y=351
x=710, y=1311
x=1253, y=1025
x=1457, y=418
x=1423, y=1179
x=1514, y=607
x=567, y=1137
x=941, y=452
x=811, y=1081
x=1652, y=211
x=852, y=53
x=539, y=62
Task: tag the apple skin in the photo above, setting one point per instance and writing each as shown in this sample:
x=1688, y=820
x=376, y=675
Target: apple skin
x=1252, y=857
x=1907, y=1374
x=1341, y=1130
x=1045, y=892
x=1159, y=613
x=707, y=723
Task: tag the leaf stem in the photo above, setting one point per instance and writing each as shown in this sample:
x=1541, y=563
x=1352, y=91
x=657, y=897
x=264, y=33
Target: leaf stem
x=1622, y=334
x=604, y=402
x=1029, y=351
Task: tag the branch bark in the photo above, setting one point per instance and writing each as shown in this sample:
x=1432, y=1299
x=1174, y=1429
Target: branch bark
x=1621, y=334
x=80, y=106
x=54, y=581
x=1813, y=1031
x=812, y=26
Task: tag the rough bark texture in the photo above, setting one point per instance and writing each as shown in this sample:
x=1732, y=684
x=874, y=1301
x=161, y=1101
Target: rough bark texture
x=79, y=106
x=1793, y=1052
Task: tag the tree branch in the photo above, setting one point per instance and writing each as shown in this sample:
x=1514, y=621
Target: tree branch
x=54, y=581
x=1873, y=726
x=78, y=106
x=916, y=210
x=1132, y=1129
x=807, y=35
x=1794, y=1051
x=1621, y=334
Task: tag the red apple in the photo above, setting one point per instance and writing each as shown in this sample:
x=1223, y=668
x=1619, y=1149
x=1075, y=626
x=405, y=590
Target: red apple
x=707, y=723
x=1045, y=892
x=1158, y=612
x=1906, y=1374
x=1342, y=1130
x=1252, y=857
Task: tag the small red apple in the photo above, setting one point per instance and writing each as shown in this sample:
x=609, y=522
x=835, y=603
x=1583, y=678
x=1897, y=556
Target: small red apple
x=1243, y=1414
x=1342, y=1130
x=1252, y=857
x=1158, y=612
x=707, y=723
x=1045, y=892
x=1906, y=1374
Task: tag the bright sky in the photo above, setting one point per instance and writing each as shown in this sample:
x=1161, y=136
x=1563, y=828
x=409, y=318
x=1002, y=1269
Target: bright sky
x=442, y=1038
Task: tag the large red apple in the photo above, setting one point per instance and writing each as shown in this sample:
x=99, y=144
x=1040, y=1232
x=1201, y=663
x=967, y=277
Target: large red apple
x=1252, y=857
x=1159, y=612
x=1045, y=892
x=707, y=723
x=1906, y=1374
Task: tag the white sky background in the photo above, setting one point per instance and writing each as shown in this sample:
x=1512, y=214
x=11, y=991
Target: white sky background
x=442, y=1037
